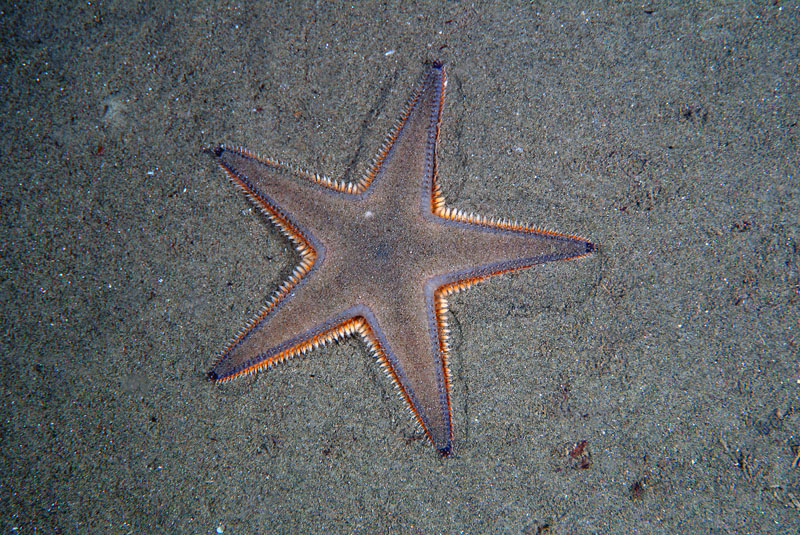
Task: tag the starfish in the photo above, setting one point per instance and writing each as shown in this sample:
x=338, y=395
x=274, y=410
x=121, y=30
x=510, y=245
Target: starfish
x=379, y=258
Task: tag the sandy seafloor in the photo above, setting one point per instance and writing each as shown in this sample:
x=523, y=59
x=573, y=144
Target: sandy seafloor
x=668, y=135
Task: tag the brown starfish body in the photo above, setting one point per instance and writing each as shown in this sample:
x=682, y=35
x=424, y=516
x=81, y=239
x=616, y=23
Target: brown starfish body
x=379, y=258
